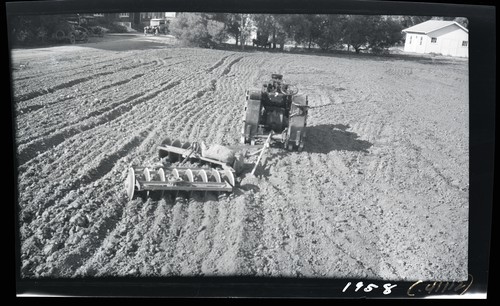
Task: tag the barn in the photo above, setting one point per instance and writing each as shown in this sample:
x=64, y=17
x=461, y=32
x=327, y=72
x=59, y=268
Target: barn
x=438, y=37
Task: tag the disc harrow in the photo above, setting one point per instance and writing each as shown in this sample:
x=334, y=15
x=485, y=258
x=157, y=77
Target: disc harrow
x=173, y=176
x=174, y=179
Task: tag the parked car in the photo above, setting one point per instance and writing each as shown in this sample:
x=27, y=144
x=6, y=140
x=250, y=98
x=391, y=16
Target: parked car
x=68, y=32
x=161, y=24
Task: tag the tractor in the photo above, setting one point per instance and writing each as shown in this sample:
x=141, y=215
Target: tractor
x=278, y=111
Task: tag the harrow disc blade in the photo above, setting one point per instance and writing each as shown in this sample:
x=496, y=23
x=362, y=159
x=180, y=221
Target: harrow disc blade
x=161, y=174
x=230, y=177
x=130, y=183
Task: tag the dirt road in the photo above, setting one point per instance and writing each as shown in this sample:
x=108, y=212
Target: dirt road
x=380, y=190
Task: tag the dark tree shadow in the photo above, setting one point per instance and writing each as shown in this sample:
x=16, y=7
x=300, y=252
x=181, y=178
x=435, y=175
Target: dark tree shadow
x=325, y=138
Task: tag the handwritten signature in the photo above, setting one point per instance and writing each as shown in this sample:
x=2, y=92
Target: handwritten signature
x=422, y=288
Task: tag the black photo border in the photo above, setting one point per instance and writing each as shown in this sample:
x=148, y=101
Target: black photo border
x=482, y=98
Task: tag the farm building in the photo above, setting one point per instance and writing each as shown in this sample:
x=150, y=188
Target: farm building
x=439, y=37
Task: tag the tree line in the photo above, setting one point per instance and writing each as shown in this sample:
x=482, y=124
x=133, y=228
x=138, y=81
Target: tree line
x=374, y=33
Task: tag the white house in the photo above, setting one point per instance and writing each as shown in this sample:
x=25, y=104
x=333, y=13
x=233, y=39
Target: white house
x=438, y=36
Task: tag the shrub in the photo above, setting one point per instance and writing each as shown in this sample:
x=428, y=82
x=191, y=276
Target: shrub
x=198, y=30
x=116, y=28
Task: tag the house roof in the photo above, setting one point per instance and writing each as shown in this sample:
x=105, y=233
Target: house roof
x=431, y=26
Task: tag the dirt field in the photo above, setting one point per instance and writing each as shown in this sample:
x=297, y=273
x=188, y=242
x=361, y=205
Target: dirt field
x=380, y=190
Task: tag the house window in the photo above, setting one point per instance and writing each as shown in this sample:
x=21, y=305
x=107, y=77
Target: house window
x=421, y=39
x=410, y=39
x=465, y=43
x=99, y=15
x=434, y=40
x=123, y=15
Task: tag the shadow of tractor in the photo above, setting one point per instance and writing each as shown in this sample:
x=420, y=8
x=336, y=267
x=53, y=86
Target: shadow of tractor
x=325, y=138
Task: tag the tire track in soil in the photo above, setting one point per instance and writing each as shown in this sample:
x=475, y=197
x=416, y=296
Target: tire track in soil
x=228, y=68
x=218, y=106
x=179, y=217
x=235, y=89
x=218, y=64
x=94, y=89
x=31, y=108
x=190, y=120
x=71, y=83
x=79, y=67
x=193, y=128
x=184, y=255
x=41, y=92
x=250, y=246
x=160, y=235
x=31, y=150
x=225, y=255
x=59, y=73
x=78, y=120
x=122, y=82
x=206, y=236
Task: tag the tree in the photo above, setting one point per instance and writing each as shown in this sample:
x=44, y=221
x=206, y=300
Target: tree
x=244, y=28
x=198, y=29
x=283, y=29
x=231, y=24
x=356, y=30
x=265, y=25
x=217, y=31
x=462, y=21
x=331, y=32
x=307, y=28
x=371, y=32
x=409, y=21
x=386, y=33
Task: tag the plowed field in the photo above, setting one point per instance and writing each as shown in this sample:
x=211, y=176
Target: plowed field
x=380, y=190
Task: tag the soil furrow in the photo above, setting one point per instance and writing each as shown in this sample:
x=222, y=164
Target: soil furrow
x=34, y=148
